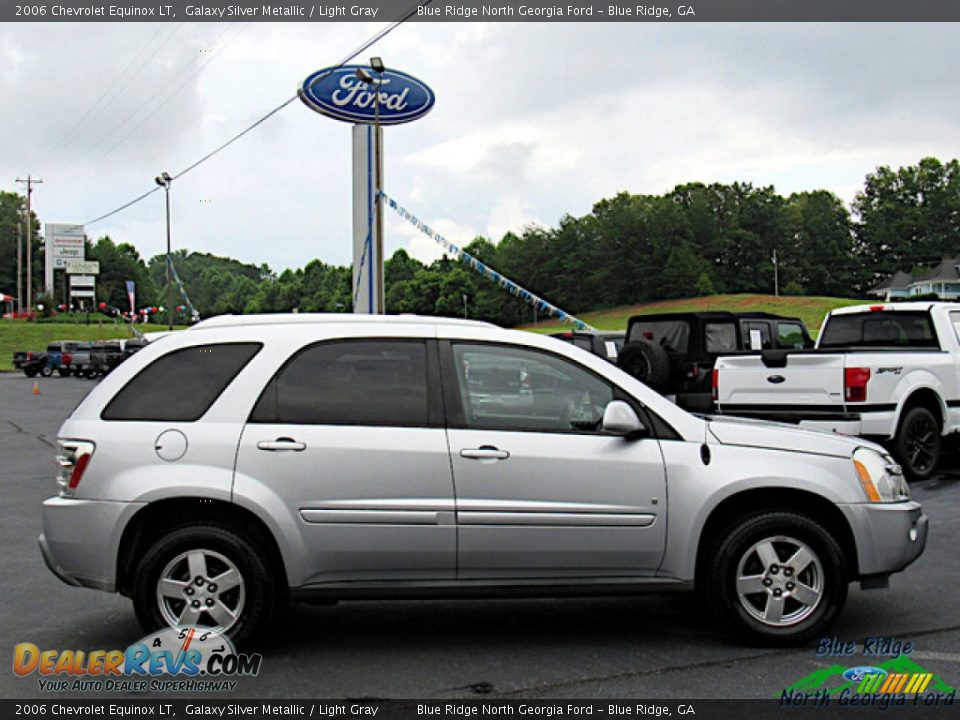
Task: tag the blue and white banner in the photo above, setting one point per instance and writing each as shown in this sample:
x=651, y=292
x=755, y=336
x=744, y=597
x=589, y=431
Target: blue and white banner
x=485, y=270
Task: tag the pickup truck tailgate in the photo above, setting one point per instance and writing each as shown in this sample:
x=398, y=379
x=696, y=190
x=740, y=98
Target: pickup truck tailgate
x=814, y=379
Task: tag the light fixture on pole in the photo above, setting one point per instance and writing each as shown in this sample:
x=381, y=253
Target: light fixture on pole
x=165, y=181
x=376, y=64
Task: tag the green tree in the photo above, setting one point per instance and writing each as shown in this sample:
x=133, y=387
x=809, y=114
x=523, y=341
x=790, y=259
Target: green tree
x=908, y=216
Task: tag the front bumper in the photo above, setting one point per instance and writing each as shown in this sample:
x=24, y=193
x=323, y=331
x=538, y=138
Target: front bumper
x=889, y=536
x=81, y=538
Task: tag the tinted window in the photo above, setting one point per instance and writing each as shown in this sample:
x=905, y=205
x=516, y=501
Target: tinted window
x=510, y=388
x=368, y=382
x=673, y=335
x=720, y=337
x=790, y=335
x=181, y=385
x=879, y=329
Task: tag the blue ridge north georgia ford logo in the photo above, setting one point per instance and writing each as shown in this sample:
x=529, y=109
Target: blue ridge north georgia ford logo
x=340, y=94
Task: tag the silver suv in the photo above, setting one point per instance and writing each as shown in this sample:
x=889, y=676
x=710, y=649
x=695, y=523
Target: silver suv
x=253, y=459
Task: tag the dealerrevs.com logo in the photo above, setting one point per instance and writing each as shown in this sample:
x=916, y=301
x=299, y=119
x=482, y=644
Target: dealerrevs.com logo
x=171, y=660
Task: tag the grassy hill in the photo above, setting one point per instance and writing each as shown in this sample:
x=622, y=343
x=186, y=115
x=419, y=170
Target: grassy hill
x=20, y=335
x=809, y=309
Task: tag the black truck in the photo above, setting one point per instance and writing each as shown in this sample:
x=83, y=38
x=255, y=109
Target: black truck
x=674, y=353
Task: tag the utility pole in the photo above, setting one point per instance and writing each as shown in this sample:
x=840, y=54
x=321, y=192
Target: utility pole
x=164, y=180
x=776, y=274
x=19, y=267
x=29, y=182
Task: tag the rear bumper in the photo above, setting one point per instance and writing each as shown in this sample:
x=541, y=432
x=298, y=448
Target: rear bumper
x=877, y=421
x=80, y=540
x=889, y=536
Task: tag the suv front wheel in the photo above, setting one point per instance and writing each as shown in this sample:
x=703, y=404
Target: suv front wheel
x=778, y=577
x=204, y=576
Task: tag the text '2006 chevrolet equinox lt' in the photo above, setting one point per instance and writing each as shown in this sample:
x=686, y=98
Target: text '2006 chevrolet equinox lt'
x=253, y=459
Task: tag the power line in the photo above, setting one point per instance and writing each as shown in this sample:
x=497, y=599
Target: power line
x=376, y=38
x=169, y=97
x=114, y=89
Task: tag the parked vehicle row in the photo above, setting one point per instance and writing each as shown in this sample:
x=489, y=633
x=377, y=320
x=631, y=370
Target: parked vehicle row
x=80, y=359
x=329, y=457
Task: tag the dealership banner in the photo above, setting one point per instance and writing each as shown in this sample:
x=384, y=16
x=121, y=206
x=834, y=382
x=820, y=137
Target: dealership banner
x=455, y=709
x=476, y=11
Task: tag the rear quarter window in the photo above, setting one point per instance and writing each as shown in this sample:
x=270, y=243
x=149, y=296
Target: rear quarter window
x=181, y=385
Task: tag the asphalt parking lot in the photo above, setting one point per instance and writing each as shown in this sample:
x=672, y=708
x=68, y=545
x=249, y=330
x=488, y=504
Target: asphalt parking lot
x=641, y=647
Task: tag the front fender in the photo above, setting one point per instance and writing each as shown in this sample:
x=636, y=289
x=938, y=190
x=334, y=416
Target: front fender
x=696, y=490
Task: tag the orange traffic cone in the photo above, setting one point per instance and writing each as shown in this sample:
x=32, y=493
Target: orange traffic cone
x=36, y=388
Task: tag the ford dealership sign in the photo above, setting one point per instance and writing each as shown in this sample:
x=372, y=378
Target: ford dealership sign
x=342, y=95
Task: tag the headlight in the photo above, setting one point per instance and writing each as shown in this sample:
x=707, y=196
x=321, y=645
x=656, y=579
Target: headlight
x=882, y=479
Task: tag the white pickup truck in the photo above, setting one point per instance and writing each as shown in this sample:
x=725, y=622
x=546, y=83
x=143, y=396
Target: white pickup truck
x=890, y=373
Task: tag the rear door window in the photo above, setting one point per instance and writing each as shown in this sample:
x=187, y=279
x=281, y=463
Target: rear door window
x=181, y=385
x=358, y=382
x=756, y=335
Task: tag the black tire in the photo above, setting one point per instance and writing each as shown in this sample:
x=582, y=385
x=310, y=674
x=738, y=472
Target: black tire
x=918, y=443
x=89, y=373
x=30, y=372
x=647, y=362
x=256, y=603
x=46, y=370
x=787, y=532
x=64, y=371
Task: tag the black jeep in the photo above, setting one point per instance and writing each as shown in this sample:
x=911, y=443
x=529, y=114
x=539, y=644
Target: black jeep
x=674, y=353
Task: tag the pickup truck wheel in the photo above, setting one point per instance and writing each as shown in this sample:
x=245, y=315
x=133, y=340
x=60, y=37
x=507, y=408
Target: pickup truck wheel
x=204, y=576
x=46, y=370
x=30, y=372
x=64, y=372
x=647, y=362
x=778, y=578
x=917, y=445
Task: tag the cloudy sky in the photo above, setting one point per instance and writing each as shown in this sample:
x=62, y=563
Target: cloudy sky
x=532, y=121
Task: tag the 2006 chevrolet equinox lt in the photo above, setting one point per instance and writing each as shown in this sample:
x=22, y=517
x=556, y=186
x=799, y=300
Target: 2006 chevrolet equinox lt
x=252, y=459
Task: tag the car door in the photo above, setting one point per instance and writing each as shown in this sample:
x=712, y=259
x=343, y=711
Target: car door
x=541, y=491
x=349, y=437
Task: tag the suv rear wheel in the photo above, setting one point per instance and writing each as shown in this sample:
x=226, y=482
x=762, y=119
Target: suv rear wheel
x=777, y=577
x=204, y=576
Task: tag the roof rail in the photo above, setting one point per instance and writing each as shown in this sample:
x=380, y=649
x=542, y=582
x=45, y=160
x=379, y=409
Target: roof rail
x=328, y=318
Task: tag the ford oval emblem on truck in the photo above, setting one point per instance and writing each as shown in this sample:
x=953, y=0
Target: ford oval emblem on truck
x=340, y=94
x=776, y=379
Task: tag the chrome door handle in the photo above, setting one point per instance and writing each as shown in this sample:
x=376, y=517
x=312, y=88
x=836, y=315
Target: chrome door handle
x=484, y=452
x=281, y=444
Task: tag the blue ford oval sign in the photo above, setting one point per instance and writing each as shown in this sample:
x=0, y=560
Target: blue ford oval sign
x=340, y=94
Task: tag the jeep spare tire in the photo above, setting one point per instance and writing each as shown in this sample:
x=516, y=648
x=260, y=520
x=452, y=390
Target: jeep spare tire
x=647, y=362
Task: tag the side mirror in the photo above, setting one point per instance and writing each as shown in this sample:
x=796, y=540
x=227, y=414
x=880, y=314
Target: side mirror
x=620, y=419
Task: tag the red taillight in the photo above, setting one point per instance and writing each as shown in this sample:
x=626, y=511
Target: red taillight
x=29, y=356
x=855, y=384
x=73, y=459
x=694, y=372
x=877, y=308
x=78, y=470
x=66, y=358
x=715, y=384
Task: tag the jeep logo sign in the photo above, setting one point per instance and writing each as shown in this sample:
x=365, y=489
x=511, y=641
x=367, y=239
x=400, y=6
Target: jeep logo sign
x=340, y=94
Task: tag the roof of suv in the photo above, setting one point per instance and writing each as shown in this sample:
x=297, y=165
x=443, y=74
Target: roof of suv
x=222, y=321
